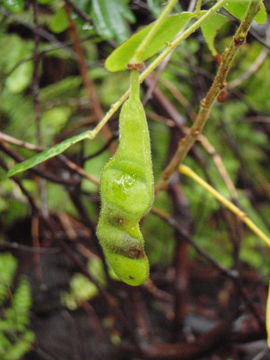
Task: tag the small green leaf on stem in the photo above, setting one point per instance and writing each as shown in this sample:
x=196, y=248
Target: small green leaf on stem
x=47, y=154
x=59, y=21
x=210, y=29
x=120, y=57
x=109, y=18
x=238, y=9
x=14, y=6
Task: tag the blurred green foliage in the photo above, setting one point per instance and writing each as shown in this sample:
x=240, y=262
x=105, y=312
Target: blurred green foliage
x=65, y=107
x=15, y=304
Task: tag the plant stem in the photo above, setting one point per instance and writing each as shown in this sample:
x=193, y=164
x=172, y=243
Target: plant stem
x=198, y=6
x=149, y=37
x=228, y=204
x=156, y=62
x=91, y=134
x=134, y=84
x=206, y=104
x=87, y=81
x=208, y=147
x=183, y=36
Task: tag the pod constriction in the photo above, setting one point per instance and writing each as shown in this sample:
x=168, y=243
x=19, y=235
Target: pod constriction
x=127, y=193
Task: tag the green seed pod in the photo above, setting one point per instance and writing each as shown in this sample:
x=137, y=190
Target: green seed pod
x=127, y=193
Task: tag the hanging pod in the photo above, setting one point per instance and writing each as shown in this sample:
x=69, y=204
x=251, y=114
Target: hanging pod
x=127, y=193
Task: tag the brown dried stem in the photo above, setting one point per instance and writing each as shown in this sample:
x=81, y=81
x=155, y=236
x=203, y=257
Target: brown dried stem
x=203, y=140
x=207, y=103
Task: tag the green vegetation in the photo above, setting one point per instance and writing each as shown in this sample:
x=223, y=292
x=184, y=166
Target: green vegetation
x=15, y=336
x=74, y=136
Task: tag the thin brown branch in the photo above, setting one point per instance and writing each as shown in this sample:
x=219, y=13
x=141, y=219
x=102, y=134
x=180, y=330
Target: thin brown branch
x=204, y=141
x=181, y=276
x=140, y=315
x=156, y=292
x=78, y=170
x=24, y=144
x=35, y=232
x=207, y=103
x=83, y=268
x=172, y=222
x=79, y=12
x=231, y=274
x=42, y=32
x=94, y=320
x=88, y=83
x=100, y=151
x=259, y=39
x=16, y=246
x=41, y=183
x=251, y=71
x=35, y=81
x=218, y=337
x=29, y=197
x=221, y=336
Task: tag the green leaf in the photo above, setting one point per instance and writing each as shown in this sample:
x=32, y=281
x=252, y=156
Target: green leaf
x=44, y=1
x=120, y=57
x=21, y=304
x=20, y=78
x=16, y=50
x=14, y=5
x=84, y=5
x=53, y=121
x=17, y=210
x=22, y=345
x=47, y=154
x=210, y=29
x=108, y=17
x=81, y=289
x=155, y=6
x=238, y=9
x=60, y=21
x=126, y=12
x=67, y=87
x=100, y=18
x=8, y=266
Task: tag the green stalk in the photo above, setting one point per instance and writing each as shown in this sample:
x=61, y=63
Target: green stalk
x=134, y=84
x=183, y=169
x=149, y=37
x=172, y=45
x=198, y=6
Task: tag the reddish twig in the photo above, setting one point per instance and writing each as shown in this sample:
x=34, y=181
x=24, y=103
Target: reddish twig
x=140, y=316
x=182, y=216
x=35, y=81
x=79, y=12
x=29, y=197
x=89, y=86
